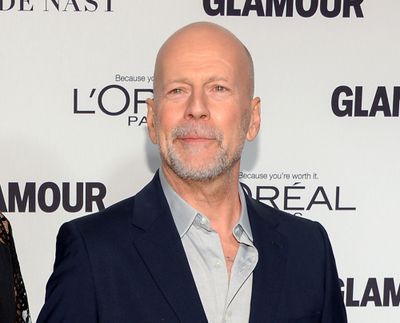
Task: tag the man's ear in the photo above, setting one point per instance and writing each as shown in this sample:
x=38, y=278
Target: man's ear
x=255, y=119
x=151, y=127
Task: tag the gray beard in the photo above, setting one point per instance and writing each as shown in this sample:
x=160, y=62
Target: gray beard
x=220, y=163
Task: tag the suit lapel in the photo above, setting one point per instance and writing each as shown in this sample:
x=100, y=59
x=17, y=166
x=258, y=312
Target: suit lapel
x=158, y=242
x=269, y=273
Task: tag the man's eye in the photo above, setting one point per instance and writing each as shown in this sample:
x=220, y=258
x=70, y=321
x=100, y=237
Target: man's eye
x=176, y=91
x=219, y=88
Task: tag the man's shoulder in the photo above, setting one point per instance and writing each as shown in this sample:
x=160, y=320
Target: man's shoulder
x=113, y=218
x=278, y=217
x=297, y=230
x=304, y=238
x=119, y=214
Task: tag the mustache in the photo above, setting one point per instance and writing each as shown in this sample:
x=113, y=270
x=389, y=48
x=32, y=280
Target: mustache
x=197, y=130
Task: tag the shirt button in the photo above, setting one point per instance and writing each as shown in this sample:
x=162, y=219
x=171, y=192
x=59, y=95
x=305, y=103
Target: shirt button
x=217, y=264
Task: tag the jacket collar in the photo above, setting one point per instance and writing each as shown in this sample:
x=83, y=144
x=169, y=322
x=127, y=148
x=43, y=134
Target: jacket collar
x=268, y=276
x=157, y=241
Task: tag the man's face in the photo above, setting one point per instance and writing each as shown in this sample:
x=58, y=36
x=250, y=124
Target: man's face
x=202, y=109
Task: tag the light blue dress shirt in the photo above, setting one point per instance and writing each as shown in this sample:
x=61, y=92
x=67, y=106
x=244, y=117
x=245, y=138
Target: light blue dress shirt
x=224, y=298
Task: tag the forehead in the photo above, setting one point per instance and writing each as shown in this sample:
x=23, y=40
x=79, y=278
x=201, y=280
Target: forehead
x=201, y=51
x=195, y=65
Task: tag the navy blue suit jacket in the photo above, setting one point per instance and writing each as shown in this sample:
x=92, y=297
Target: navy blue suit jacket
x=126, y=264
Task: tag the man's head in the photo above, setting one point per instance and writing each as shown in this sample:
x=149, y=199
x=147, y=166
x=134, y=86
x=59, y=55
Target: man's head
x=203, y=109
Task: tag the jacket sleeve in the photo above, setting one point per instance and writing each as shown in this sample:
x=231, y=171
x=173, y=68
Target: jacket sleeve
x=333, y=310
x=70, y=294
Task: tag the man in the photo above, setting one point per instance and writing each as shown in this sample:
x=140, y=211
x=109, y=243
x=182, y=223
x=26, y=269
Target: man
x=191, y=247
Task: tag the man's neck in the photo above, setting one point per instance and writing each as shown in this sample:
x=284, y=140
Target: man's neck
x=218, y=199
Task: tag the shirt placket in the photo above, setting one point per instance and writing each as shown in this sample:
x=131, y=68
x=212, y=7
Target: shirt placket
x=245, y=262
x=215, y=260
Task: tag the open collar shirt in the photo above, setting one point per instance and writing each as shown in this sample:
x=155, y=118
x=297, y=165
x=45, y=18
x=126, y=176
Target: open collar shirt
x=224, y=298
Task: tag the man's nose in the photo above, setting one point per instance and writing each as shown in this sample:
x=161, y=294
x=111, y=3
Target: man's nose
x=197, y=106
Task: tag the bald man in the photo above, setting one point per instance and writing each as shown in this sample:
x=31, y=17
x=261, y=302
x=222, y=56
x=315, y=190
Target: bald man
x=191, y=246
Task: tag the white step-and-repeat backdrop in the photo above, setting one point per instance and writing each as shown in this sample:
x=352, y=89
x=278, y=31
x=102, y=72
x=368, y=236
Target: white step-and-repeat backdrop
x=74, y=75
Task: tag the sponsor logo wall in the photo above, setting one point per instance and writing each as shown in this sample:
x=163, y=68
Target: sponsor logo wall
x=74, y=79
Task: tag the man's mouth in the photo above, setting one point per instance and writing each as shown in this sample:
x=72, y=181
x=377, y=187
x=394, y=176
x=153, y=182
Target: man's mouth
x=195, y=140
x=198, y=136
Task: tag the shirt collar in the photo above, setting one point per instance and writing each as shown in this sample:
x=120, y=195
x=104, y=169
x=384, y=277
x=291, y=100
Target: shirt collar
x=185, y=215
